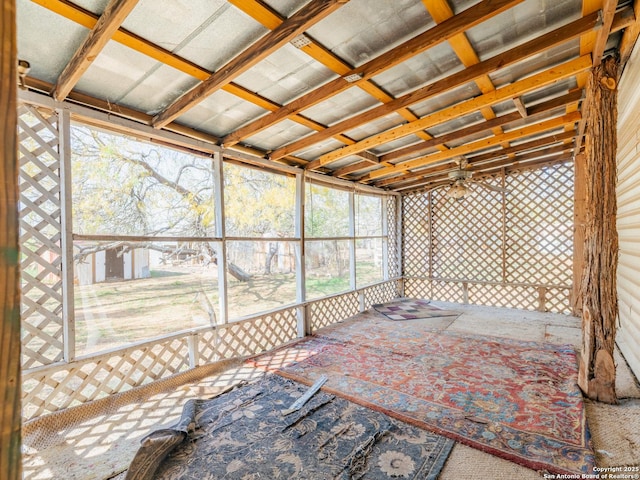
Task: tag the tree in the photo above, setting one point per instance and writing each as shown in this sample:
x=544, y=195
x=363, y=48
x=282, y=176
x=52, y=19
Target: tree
x=125, y=187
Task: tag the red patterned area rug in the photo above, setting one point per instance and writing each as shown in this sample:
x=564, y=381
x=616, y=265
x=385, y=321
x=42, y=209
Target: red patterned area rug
x=516, y=400
x=412, y=308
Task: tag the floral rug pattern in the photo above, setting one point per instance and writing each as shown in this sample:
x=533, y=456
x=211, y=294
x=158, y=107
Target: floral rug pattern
x=517, y=400
x=244, y=435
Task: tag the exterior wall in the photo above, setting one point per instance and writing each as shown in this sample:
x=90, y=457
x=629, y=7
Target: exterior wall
x=628, y=197
x=99, y=272
x=92, y=270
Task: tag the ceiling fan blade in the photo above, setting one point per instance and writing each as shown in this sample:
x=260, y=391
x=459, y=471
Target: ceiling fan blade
x=490, y=187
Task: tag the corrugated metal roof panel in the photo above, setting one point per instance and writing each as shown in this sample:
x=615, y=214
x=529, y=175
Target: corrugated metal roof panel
x=537, y=63
x=366, y=28
x=394, y=145
x=222, y=36
x=174, y=22
x=377, y=126
x=95, y=6
x=341, y=106
x=46, y=40
x=220, y=113
x=446, y=99
x=286, y=8
x=285, y=75
x=318, y=149
x=116, y=71
x=521, y=23
x=282, y=133
x=420, y=70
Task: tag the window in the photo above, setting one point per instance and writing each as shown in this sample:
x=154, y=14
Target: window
x=370, y=242
x=139, y=269
x=328, y=242
x=162, y=243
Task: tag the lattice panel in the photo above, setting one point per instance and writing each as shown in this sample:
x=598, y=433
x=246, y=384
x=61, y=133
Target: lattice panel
x=539, y=242
x=393, y=237
x=84, y=381
x=207, y=348
x=332, y=310
x=558, y=300
x=447, y=291
x=415, y=235
x=417, y=288
x=513, y=296
x=40, y=237
x=382, y=293
x=467, y=235
x=257, y=335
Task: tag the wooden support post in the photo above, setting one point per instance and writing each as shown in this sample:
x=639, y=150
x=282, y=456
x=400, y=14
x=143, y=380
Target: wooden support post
x=578, y=232
x=465, y=293
x=596, y=375
x=194, y=353
x=10, y=402
x=68, y=312
x=542, y=299
x=307, y=320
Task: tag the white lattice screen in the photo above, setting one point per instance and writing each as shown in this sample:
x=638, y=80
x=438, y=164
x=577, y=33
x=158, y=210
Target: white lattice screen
x=488, y=249
x=40, y=237
x=51, y=381
x=393, y=238
x=539, y=241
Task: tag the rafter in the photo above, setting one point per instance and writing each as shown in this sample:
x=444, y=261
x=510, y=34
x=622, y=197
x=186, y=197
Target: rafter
x=527, y=151
x=114, y=14
x=440, y=11
x=451, y=82
x=457, y=135
x=551, y=152
x=514, y=165
x=571, y=98
x=518, y=88
x=516, y=134
x=630, y=35
x=305, y=18
x=88, y=20
x=473, y=16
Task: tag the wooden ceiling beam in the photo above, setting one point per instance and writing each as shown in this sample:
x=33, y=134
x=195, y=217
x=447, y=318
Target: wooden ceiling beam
x=465, y=149
x=572, y=97
x=549, y=154
x=518, y=149
x=630, y=36
x=474, y=15
x=121, y=111
x=303, y=19
x=515, y=167
x=541, y=108
x=270, y=19
x=455, y=80
x=597, y=43
x=440, y=10
x=109, y=22
x=88, y=20
x=458, y=110
x=608, y=13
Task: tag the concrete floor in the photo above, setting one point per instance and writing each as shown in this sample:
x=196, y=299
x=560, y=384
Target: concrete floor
x=101, y=445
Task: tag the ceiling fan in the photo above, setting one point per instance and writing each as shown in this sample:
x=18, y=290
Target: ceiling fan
x=460, y=182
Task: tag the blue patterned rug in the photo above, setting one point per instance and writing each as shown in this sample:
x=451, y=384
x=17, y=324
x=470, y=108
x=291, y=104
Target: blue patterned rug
x=411, y=309
x=244, y=435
